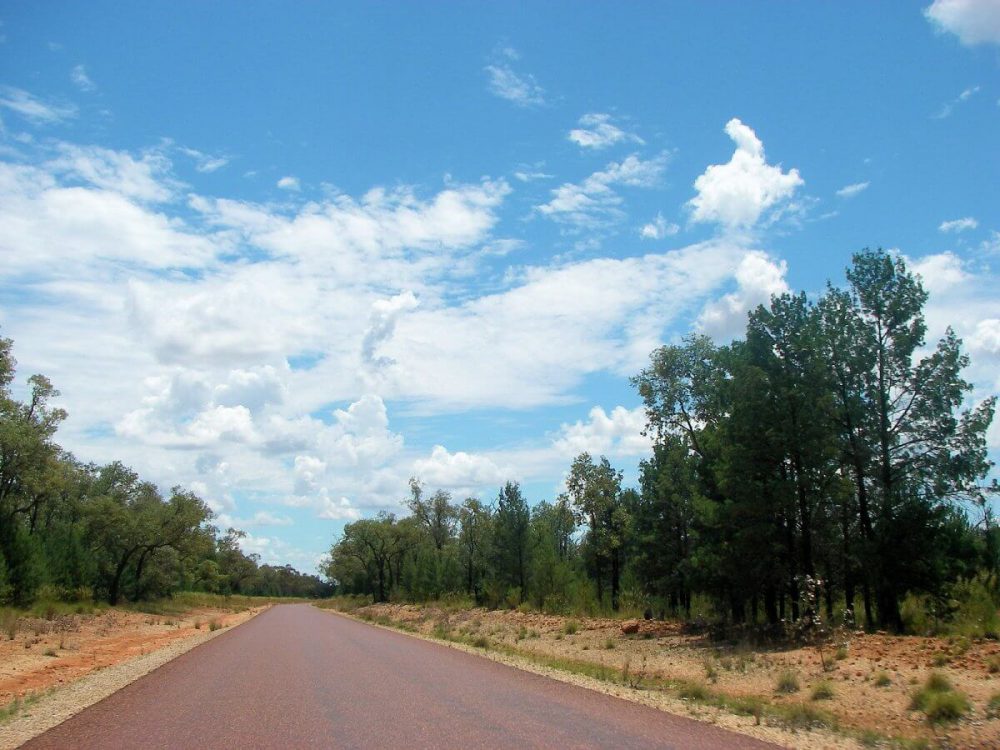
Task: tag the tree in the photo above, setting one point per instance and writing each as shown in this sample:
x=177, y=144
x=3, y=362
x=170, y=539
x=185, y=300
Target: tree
x=595, y=491
x=511, y=539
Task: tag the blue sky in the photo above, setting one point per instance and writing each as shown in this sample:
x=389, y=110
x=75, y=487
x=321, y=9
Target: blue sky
x=289, y=256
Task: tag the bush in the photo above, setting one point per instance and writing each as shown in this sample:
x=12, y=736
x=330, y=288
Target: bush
x=822, y=691
x=788, y=682
x=993, y=706
x=570, y=627
x=939, y=701
x=882, y=679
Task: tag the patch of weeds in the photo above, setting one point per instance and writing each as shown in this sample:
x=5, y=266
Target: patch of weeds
x=940, y=659
x=559, y=636
x=822, y=691
x=214, y=625
x=694, y=691
x=50, y=652
x=939, y=701
x=802, y=716
x=841, y=653
x=481, y=641
x=710, y=671
x=609, y=644
x=788, y=682
x=8, y=621
x=197, y=624
x=522, y=633
x=533, y=634
x=571, y=627
x=993, y=664
x=993, y=706
x=882, y=679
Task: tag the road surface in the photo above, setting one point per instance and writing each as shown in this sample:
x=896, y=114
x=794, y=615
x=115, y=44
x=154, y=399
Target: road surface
x=295, y=677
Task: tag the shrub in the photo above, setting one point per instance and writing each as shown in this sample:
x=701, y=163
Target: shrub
x=943, y=707
x=822, y=691
x=841, y=653
x=993, y=664
x=609, y=644
x=481, y=641
x=882, y=679
x=788, y=682
x=694, y=691
x=571, y=627
x=710, y=671
x=214, y=625
x=993, y=706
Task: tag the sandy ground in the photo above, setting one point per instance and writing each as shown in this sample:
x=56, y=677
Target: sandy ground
x=664, y=650
x=59, y=667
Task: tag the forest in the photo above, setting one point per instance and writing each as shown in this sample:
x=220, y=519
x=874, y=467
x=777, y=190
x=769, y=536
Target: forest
x=78, y=532
x=828, y=467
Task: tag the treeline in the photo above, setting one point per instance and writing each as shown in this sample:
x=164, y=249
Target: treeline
x=77, y=531
x=822, y=466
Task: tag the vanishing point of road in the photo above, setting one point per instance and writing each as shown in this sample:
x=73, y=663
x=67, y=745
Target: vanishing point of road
x=295, y=677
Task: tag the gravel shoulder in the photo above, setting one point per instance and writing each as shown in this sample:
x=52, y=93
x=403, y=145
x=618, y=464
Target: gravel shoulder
x=671, y=660
x=108, y=673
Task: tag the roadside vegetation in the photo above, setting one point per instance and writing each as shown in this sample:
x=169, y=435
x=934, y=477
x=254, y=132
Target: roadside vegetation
x=73, y=535
x=823, y=472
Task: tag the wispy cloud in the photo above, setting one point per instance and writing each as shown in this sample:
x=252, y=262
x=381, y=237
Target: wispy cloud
x=948, y=108
x=289, y=183
x=78, y=75
x=597, y=131
x=958, y=225
x=34, y=109
x=595, y=201
x=849, y=191
x=205, y=163
x=520, y=88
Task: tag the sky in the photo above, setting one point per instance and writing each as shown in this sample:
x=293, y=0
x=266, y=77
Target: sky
x=288, y=256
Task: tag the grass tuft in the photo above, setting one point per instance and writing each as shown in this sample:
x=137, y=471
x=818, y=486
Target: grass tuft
x=822, y=691
x=788, y=682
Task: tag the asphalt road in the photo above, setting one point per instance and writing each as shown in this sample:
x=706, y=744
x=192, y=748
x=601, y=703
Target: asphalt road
x=296, y=677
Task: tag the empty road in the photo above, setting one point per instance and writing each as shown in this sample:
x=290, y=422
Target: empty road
x=296, y=677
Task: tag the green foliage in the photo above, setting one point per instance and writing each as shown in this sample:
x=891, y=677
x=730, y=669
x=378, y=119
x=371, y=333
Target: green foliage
x=939, y=701
x=822, y=691
x=71, y=532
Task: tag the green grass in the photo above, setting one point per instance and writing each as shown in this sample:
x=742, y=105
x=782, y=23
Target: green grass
x=571, y=627
x=16, y=706
x=939, y=701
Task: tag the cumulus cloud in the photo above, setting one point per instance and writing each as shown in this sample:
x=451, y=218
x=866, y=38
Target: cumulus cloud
x=618, y=434
x=289, y=182
x=758, y=278
x=595, y=201
x=459, y=470
x=738, y=193
x=383, y=318
x=598, y=131
x=958, y=225
x=849, y=191
x=658, y=228
x=940, y=272
x=972, y=21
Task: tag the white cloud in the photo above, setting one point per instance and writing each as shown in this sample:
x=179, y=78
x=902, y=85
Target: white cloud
x=289, y=183
x=849, y=191
x=598, y=131
x=594, y=201
x=384, y=314
x=33, y=109
x=758, y=278
x=459, y=470
x=958, y=225
x=521, y=89
x=78, y=75
x=658, y=228
x=940, y=272
x=145, y=179
x=737, y=194
x=986, y=337
x=948, y=108
x=617, y=434
x=972, y=21
x=205, y=163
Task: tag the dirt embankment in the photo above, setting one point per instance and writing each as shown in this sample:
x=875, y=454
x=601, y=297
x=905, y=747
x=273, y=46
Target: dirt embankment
x=861, y=683
x=53, y=668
